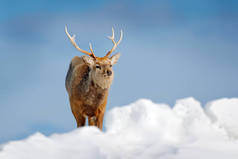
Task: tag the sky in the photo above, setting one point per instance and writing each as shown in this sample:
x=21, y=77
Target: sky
x=170, y=50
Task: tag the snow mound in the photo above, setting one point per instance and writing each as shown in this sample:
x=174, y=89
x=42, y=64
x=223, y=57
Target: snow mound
x=144, y=130
x=223, y=112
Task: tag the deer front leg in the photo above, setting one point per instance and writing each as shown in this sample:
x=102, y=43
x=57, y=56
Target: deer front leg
x=100, y=114
x=75, y=108
x=100, y=120
x=80, y=119
x=96, y=121
x=92, y=121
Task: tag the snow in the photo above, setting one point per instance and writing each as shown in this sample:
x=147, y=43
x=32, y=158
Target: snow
x=223, y=112
x=143, y=130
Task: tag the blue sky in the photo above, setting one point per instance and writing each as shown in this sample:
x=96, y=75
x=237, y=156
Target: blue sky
x=170, y=50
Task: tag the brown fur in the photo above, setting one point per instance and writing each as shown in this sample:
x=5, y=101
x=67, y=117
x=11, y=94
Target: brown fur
x=87, y=90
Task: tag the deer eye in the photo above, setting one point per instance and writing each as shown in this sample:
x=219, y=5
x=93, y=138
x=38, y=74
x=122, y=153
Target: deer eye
x=97, y=66
x=110, y=65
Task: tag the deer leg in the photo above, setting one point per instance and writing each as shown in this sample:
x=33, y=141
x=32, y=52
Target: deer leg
x=100, y=120
x=92, y=121
x=80, y=119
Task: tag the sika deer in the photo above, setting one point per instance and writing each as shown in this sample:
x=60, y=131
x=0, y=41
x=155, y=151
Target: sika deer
x=88, y=81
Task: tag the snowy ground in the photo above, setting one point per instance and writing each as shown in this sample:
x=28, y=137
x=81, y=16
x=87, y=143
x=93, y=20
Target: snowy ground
x=144, y=130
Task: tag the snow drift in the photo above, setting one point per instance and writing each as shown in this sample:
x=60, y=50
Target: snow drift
x=144, y=130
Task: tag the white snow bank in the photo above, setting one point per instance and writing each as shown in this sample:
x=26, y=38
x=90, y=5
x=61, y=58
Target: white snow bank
x=144, y=130
x=223, y=112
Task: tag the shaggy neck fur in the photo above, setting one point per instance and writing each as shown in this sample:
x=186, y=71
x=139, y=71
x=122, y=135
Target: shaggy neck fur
x=102, y=82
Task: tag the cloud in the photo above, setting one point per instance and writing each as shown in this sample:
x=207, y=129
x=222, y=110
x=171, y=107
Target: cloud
x=144, y=129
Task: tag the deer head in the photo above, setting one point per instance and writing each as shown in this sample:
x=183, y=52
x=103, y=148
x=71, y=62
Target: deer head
x=101, y=67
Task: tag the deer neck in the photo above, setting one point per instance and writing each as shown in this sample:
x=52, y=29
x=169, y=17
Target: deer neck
x=101, y=83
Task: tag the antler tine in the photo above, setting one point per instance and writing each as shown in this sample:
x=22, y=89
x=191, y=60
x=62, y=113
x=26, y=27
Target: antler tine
x=72, y=39
x=113, y=41
x=91, y=49
x=121, y=36
x=113, y=35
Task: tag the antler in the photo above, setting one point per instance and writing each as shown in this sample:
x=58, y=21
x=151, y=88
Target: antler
x=113, y=41
x=72, y=39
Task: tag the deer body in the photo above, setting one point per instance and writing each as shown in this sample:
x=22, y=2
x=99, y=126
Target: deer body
x=87, y=82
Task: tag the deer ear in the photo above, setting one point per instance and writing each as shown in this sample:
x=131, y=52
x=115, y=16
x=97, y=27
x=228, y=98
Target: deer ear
x=88, y=60
x=115, y=58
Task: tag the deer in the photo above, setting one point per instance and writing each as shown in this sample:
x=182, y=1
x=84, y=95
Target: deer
x=88, y=81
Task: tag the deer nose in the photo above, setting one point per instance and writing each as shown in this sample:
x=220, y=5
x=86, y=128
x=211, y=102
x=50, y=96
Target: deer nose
x=109, y=73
